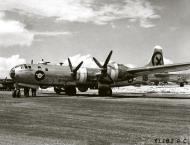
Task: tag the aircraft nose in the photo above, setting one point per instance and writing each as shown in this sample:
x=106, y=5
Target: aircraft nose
x=12, y=73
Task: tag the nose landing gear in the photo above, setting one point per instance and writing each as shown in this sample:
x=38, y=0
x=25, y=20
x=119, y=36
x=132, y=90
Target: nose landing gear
x=16, y=93
x=26, y=92
x=33, y=92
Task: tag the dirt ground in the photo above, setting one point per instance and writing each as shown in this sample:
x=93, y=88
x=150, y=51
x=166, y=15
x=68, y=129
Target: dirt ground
x=91, y=120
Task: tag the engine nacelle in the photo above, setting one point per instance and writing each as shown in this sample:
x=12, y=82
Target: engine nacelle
x=82, y=88
x=82, y=75
x=113, y=71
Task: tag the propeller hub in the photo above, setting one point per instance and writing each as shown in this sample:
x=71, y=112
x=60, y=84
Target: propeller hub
x=104, y=68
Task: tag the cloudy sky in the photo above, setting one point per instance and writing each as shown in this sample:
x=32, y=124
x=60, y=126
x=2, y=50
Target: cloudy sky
x=56, y=29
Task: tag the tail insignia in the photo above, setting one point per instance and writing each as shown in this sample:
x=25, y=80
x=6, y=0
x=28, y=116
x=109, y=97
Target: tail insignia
x=157, y=59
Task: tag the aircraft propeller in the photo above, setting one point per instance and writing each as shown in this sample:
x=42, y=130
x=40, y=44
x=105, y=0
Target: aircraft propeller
x=5, y=80
x=74, y=70
x=104, y=67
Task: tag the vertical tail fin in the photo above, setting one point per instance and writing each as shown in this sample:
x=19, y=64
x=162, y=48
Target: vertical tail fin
x=157, y=57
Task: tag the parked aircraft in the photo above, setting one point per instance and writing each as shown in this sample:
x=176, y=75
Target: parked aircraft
x=180, y=78
x=6, y=84
x=68, y=78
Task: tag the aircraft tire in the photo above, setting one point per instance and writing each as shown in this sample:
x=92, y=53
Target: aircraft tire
x=14, y=94
x=18, y=94
x=105, y=92
x=101, y=92
x=109, y=92
x=181, y=84
x=70, y=91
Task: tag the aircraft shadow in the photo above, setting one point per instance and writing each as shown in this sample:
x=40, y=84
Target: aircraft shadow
x=121, y=95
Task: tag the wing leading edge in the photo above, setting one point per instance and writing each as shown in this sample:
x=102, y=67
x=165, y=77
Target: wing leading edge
x=158, y=69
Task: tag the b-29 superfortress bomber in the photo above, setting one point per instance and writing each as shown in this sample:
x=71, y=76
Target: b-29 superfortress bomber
x=68, y=78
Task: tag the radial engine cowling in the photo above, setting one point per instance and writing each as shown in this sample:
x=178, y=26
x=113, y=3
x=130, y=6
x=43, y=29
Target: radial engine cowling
x=113, y=71
x=82, y=75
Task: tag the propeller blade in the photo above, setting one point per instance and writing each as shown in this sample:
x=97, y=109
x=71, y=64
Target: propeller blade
x=70, y=65
x=5, y=80
x=97, y=62
x=78, y=66
x=107, y=60
x=110, y=78
x=32, y=61
x=74, y=71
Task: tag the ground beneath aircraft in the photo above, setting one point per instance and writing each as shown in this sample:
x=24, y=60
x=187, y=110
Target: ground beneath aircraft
x=91, y=120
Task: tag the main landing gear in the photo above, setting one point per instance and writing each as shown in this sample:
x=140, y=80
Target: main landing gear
x=106, y=91
x=71, y=90
x=17, y=94
x=33, y=92
x=181, y=84
x=26, y=92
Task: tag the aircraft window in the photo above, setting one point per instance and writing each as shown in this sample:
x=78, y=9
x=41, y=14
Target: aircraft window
x=25, y=66
x=29, y=67
x=46, y=69
x=17, y=66
x=39, y=67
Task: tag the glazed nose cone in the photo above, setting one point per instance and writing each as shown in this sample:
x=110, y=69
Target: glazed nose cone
x=12, y=73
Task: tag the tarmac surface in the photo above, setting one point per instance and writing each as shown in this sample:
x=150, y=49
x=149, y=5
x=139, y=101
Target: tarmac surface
x=88, y=119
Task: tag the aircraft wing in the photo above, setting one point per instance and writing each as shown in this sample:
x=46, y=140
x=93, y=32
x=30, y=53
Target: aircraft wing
x=158, y=69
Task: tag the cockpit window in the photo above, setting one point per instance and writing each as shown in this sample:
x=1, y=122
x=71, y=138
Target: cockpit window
x=24, y=66
x=17, y=66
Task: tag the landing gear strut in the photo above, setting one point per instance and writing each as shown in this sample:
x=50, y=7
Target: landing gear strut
x=16, y=93
x=105, y=91
x=26, y=92
x=33, y=92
